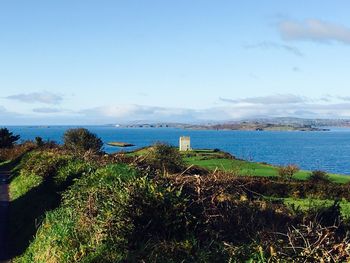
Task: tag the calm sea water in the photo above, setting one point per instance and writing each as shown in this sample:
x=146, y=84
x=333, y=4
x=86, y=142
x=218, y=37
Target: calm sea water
x=329, y=151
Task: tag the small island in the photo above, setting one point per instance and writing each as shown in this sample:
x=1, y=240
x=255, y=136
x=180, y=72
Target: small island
x=120, y=144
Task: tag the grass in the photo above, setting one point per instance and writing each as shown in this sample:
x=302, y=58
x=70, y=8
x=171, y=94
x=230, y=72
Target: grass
x=20, y=185
x=65, y=209
x=34, y=189
x=310, y=203
x=212, y=160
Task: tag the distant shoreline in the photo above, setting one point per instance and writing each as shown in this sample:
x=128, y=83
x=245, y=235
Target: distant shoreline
x=234, y=127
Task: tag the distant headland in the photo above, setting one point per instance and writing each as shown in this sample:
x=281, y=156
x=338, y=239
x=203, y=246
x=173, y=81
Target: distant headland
x=268, y=124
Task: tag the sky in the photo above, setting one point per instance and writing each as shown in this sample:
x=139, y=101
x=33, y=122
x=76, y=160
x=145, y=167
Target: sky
x=98, y=62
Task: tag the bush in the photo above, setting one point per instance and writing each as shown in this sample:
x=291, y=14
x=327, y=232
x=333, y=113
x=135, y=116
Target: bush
x=288, y=171
x=82, y=140
x=43, y=163
x=10, y=154
x=91, y=225
x=165, y=158
x=39, y=141
x=7, y=139
x=319, y=176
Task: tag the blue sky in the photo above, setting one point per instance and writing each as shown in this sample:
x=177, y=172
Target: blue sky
x=93, y=62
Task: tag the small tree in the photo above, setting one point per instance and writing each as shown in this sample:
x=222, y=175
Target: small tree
x=165, y=158
x=39, y=141
x=82, y=140
x=7, y=139
x=288, y=171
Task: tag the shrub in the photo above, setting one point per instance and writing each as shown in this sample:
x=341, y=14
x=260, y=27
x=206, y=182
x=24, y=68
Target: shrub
x=11, y=154
x=165, y=158
x=288, y=171
x=82, y=140
x=39, y=141
x=43, y=163
x=7, y=139
x=91, y=225
x=312, y=242
x=319, y=176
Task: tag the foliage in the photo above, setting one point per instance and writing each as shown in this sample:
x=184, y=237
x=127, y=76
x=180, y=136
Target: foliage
x=313, y=242
x=165, y=158
x=11, y=154
x=7, y=139
x=288, y=171
x=39, y=141
x=41, y=166
x=81, y=140
x=92, y=223
x=318, y=176
x=210, y=160
x=116, y=214
x=35, y=188
x=43, y=163
x=20, y=186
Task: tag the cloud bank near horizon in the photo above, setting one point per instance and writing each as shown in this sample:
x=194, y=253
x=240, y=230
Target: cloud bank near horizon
x=37, y=97
x=278, y=105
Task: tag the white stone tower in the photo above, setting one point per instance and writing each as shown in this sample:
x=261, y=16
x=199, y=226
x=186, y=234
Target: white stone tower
x=184, y=143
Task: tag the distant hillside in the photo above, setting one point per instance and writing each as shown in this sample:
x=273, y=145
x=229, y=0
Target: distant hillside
x=272, y=124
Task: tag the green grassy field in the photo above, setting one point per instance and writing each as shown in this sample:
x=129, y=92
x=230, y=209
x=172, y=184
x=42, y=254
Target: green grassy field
x=212, y=160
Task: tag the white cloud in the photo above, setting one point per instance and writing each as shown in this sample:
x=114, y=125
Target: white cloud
x=314, y=30
x=37, y=97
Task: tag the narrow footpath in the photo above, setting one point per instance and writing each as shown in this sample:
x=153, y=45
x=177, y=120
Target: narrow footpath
x=4, y=204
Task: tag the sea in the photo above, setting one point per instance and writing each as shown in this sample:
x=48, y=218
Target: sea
x=318, y=150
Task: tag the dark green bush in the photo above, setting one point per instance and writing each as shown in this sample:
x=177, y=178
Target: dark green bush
x=81, y=140
x=39, y=141
x=7, y=139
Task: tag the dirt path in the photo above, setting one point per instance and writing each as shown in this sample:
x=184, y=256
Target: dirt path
x=4, y=203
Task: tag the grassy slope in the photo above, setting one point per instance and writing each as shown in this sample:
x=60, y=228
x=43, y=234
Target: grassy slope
x=60, y=237
x=34, y=190
x=219, y=160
